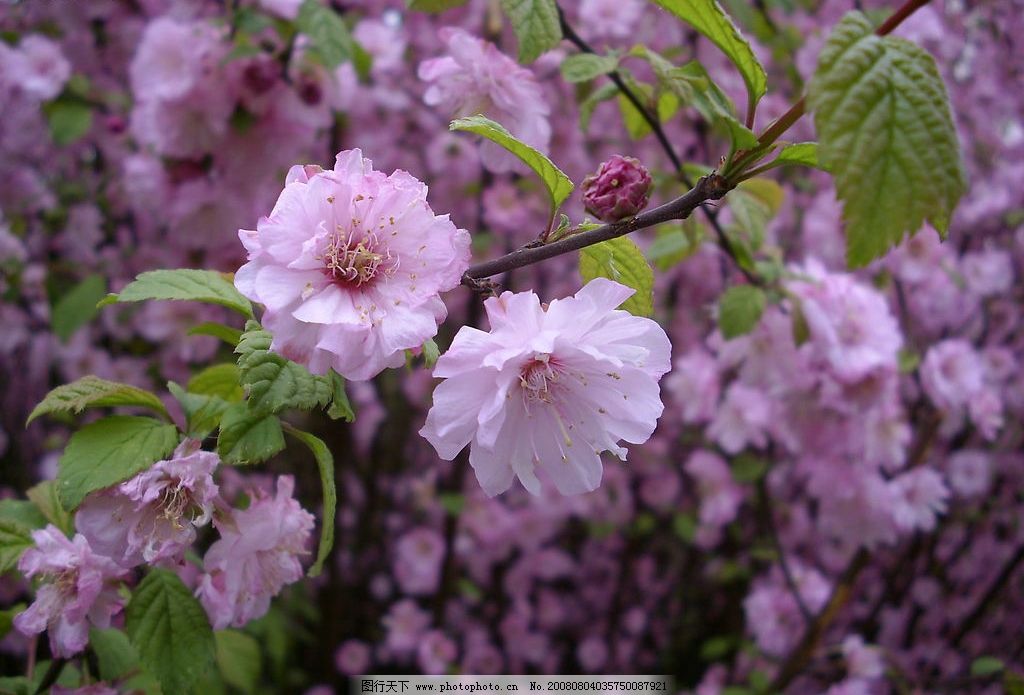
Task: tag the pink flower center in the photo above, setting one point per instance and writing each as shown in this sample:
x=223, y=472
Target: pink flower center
x=536, y=378
x=351, y=262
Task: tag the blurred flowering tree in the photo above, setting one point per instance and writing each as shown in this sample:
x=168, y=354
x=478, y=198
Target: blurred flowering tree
x=810, y=343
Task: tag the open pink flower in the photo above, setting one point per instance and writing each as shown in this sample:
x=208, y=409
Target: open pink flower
x=79, y=588
x=349, y=265
x=257, y=556
x=549, y=389
x=153, y=517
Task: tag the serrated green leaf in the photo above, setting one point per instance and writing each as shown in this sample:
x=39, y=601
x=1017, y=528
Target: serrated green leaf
x=109, y=451
x=886, y=134
x=69, y=119
x=536, y=25
x=77, y=307
x=331, y=42
x=93, y=392
x=15, y=539
x=170, y=631
x=44, y=496
x=276, y=383
x=221, y=380
x=340, y=408
x=583, y=67
x=620, y=260
x=22, y=512
x=247, y=437
x=325, y=463
x=238, y=658
x=202, y=413
x=557, y=183
x=587, y=106
x=229, y=335
x=183, y=284
x=805, y=153
x=115, y=653
x=986, y=666
x=708, y=17
x=753, y=204
x=434, y=6
x=739, y=309
x=675, y=244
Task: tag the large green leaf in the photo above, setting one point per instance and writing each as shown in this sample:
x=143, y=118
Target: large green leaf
x=325, y=462
x=93, y=392
x=77, y=307
x=238, y=658
x=620, y=260
x=44, y=496
x=739, y=309
x=108, y=451
x=221, y=380
x=114, y=652
x=247, y=437
x=185, y=284
x=202, y=412
x=886, y=134
x=15, y=539
x=170, y=631
x=708, y=17
x=274, y=382
x=536, y=25
x=558, y=184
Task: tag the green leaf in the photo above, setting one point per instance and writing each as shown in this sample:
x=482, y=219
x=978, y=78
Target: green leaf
x=747, y=468
x=77, y=307
x=115, y=653
x=340, y=408
x=15, y=539
x=325, y=462
x=229, y=335
x=452, y=502
x=247, y=437
x=675, y=244
x=202, y=413
x=170, y=631
x=109, y=451
x=93, y=392
x=23, y=513
x=433, y=6
x=583, y=67
x=330, y=40
x=274, y=382
x=805, y=153
x=184, y=284
x=620, y=260
x=430, y=353
x=7, y=619
x=739, y=309
x=587, y=106
x=69, y=119
x=886, y=134
x=221, y=380
x=754, y=203
x=685, y=526
x=558, y=184
x=238, y=658
x=536, y=25
x=44, y=496
x=986, y=666
x=718, y=648
x=708, y=17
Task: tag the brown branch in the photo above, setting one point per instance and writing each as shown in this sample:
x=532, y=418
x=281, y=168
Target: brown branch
x=710, y=187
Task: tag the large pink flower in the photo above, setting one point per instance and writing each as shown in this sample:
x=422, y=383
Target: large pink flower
x=349, y=265
x=475, y=77
x=153, y=517
x=549, y=389
x=79, y=588
x=257, y=556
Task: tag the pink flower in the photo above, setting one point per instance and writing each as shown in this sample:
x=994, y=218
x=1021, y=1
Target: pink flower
x=693, y=384
x=953, y=375
x=153, y=517
x=171, y=58
x=257, y=556
x=862, y=661
x=39, y=67
x=919, y=497
x=349, y=265
x=610, y=18
x=435, y=653
x=620, y=188
x=352, y=658
x=773, y=615
x=742, y=419
x=720, y=496
x=79, y=588
x=549, y=389
x=405, y=623
x=478, y=78
x=418, y=557
x=969, y=472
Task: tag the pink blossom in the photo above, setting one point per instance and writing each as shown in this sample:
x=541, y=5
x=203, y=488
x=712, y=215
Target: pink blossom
x=352, y=657
x=171, y=58
x=592, y=653
x=405, y=623
x=720, y=496
x=475, y=77
x=694, y=385
x=257, y=555
x=952, y=373
x=772, y=611
x=153, y=517
x=79, y=589
x=920, y=496
x=349, y=265
x=988, y=272
x=39, y=67
x=862, y=661
x=969, y=472
x=418, y=558
x=610, y=18
x=435, y=653
x=620, y=188
x=549, y=389
x=742, y=419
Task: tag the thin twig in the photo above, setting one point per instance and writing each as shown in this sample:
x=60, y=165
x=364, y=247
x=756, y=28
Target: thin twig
x=768, y=514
